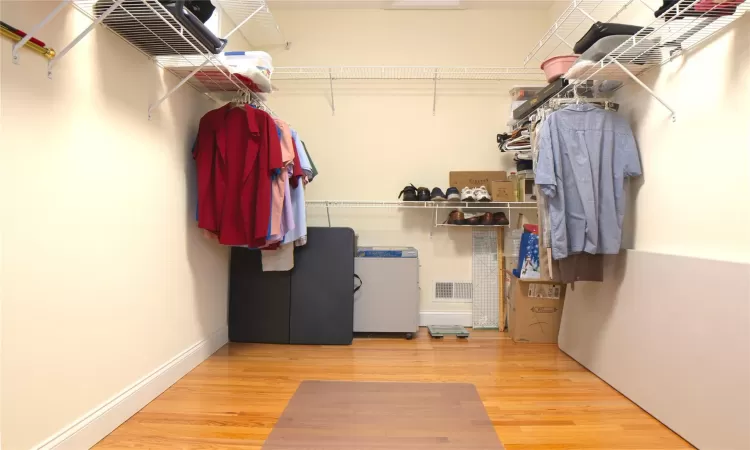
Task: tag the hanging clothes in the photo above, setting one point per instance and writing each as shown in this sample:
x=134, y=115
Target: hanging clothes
x=280, y=222
x=299, y=235
x=313, y=169
x=279, y=260
x=236, y=153
x=585, y=153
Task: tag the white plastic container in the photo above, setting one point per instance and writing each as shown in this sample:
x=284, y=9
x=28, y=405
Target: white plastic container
x=523, y=93
x=257, y=66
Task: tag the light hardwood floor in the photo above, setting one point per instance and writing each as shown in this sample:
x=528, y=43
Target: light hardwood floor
x=536, y=396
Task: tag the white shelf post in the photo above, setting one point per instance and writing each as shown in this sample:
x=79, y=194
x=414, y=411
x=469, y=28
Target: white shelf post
x=648, y=89
x=333, y=104
x=93, y=25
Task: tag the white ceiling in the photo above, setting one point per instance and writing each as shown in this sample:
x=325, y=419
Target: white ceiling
x=411, y=4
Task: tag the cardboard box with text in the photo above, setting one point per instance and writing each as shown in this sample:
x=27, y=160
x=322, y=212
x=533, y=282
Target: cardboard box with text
x=475, y=179
x=535, y=310
x=503, y=191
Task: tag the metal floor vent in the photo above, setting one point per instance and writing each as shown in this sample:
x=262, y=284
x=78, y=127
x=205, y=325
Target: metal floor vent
x=450, y=291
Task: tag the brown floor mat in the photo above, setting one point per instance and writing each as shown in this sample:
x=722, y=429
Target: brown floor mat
x=384, y=416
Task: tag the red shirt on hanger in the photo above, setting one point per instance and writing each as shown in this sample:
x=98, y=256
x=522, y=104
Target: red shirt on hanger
x=236, y=153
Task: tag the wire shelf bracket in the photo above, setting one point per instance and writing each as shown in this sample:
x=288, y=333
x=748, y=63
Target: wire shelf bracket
x=200, y=67
x=178, y=51
x=567, y=27
x=678, y=30
x=35, y=29
x=61, y=54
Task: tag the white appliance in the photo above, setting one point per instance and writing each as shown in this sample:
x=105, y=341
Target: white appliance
x=388, y=301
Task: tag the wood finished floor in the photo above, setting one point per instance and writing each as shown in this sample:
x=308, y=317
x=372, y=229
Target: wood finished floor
x=536, y=396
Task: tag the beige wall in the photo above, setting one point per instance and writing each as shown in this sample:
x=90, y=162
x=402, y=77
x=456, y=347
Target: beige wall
x=691, y=185
x=384, y=135
x=104, y=277
x=672, y=333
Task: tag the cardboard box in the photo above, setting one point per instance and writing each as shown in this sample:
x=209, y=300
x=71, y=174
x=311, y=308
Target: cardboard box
x=535, y=310
x=503, y=191
x=475, y=179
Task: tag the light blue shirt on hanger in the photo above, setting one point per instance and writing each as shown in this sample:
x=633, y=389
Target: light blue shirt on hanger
x=585, y=153
x=298, y=197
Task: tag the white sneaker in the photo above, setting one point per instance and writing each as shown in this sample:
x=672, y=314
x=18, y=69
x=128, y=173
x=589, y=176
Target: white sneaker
x=467, y=194
x=481, y=195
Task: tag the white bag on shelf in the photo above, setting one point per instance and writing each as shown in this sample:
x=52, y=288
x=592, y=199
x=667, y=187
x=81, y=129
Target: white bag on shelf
x=257, y=66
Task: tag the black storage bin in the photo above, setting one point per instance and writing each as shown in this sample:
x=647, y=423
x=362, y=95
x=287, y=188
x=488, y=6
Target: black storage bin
x=322, y=309
x=259, y=302
x=311, y=304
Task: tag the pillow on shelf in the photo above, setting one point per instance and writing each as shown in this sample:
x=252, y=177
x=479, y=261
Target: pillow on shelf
x=646, y=50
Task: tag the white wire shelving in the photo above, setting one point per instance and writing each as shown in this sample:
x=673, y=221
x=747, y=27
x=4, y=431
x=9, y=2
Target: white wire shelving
x=452, y=225
x=417, y=205
x=425, y=73
x=572, y=24
x=679, y=29
x=407, y=73
x=433, y=207
x=148, y=26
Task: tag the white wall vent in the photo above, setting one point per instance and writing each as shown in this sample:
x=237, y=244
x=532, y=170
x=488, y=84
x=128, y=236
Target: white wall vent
x=452, y=291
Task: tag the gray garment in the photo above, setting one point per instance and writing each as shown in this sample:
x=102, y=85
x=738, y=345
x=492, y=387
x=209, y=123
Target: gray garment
x=585, y=153
x=581, y=267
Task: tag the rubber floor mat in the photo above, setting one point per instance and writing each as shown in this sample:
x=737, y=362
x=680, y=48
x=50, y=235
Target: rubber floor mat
x=384, y=416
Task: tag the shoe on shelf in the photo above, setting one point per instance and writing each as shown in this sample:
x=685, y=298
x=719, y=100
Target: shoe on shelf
x=423, y=194
x=487, y=219
x=456, y=217
x=467, y=194
x=453, y=194
x=473, y=219
x=409, y=193
x=437, y=195
x=500, y=219
x=481, y=195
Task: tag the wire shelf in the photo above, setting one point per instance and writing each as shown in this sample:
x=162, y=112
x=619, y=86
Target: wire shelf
x=418, y=205
x=151, y=28
x=263, y=32
x=145, y=24
x=470, y=226
x=678, y=30
x=573, y=24
x=211, y=77
x=407, y=73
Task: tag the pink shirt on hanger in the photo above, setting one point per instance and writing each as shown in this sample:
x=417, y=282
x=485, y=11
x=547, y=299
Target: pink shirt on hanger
x=279, y=184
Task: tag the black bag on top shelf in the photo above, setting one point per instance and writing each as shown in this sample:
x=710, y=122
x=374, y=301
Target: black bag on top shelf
x=604, y=29
x=202, y=9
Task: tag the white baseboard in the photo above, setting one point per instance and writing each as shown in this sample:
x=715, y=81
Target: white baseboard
x=100, y=421
x=462, y=318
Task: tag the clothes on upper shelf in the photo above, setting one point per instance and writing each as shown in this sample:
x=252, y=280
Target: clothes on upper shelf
x=703, y=8
x=584, y=155
x=249, y=166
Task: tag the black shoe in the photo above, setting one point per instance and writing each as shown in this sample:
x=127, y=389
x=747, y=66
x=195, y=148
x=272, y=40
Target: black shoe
x=453, y=194
x=423, y=194
x=409, y=193
x=437, y=195
x=500, y=218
